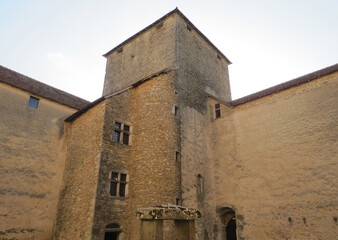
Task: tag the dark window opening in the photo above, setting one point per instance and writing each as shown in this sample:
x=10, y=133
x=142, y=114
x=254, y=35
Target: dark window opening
x=178, y=202
x=33, y=102
x=218, y=110
x=119, y=50
x=189, y=27
x=177, y=156
x=125, y=138
x=113, y=189
x=118, y=184
x=126, y=128
x=200, y=184
x=176, y=110
x=231, y=229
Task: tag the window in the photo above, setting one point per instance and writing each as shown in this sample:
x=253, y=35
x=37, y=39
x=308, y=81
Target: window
x=118, y=184
x=176, y=110
x=200, y=184
x=177, y=156
x=121, y=132
x=33, y=102
x=218, y=110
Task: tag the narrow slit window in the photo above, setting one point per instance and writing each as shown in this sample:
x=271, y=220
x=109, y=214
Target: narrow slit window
x=218, y=110
x=126, y=130
x=177, y=156
x=200, y=185
x=176, y=110
x=33, y=102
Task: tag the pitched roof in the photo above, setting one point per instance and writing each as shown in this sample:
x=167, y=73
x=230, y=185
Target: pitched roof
x=283, y=86
x=28, y=84
x=162, y=19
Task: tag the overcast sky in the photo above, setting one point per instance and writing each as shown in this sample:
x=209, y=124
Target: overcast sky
x=61, y=42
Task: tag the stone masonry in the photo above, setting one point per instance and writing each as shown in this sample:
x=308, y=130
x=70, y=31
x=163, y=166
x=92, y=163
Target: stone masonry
x=166, y=133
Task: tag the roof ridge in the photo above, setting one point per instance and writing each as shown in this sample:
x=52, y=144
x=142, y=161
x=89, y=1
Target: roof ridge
x=286, y=85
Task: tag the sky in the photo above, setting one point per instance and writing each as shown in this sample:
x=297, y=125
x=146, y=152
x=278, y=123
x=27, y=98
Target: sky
x=61, y=42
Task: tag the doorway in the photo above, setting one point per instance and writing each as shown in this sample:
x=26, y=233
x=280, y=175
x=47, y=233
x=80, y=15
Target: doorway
x=231, y=229
x=111, y=236
x=112, y=232
x=227, y=217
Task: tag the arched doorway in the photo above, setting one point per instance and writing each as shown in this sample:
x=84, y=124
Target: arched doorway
x=228, y=220
x=112, y=231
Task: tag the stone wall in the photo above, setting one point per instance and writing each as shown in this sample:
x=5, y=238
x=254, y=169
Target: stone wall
x=31, y=164
x=201, y=72
x=276, y=162
x=148, y=53
x=149, y=159
x=78, y=195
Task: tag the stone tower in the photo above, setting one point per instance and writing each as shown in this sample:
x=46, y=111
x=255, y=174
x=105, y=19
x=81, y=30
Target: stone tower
x=183, y=68
x=144, y=139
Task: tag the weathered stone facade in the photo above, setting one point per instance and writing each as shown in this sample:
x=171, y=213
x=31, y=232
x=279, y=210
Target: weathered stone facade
x=32, y=158
x=264, y=167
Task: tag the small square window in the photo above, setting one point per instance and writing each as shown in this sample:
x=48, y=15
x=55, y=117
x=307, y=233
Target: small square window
x=126, y=128
x=117, y=125
x=33, y=102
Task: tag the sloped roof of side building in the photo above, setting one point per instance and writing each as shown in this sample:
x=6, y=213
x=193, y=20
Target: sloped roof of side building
x=35, y=87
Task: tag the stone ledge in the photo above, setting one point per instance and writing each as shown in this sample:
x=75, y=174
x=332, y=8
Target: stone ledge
x=168, y=212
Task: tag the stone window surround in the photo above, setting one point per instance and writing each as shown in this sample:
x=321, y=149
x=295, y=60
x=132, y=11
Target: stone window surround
x=119, y=171
x=122, y=131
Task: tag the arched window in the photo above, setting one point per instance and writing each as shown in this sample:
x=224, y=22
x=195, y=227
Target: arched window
x=112, y=231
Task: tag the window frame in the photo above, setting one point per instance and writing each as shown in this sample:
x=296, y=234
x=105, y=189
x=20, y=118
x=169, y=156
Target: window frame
x=122, y=133
x=118, y=182
x=33, y=102
x=218, y=110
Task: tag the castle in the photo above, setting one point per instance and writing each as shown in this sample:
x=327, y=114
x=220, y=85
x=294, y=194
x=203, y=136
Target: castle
x=166, y=131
